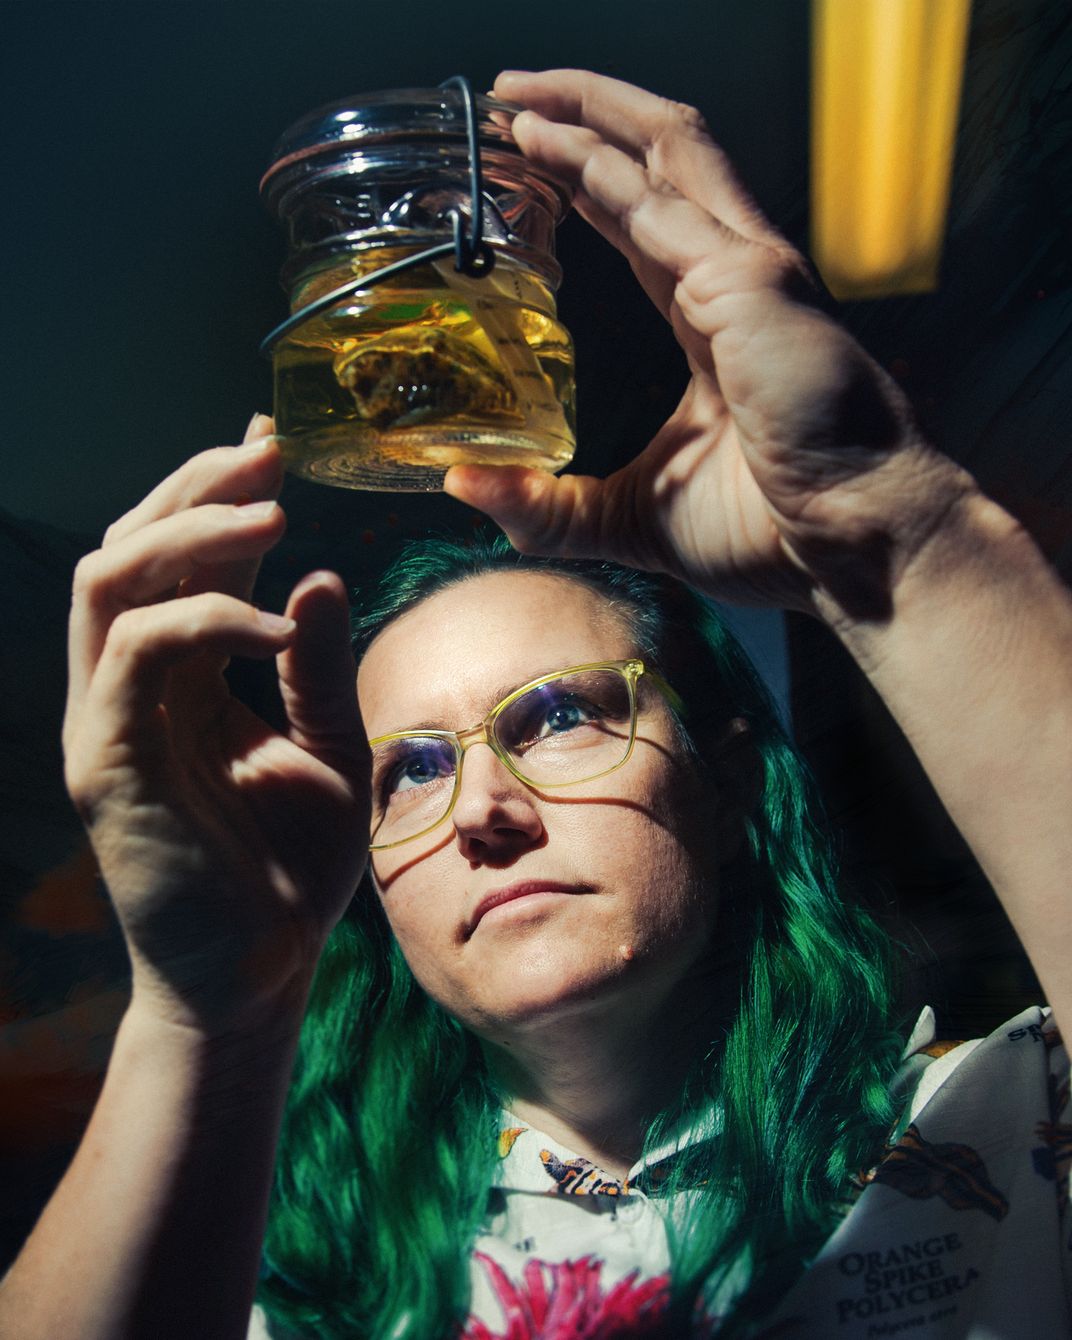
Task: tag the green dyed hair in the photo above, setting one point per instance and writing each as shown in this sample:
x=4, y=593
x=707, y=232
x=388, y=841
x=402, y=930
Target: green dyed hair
x=388, y=1147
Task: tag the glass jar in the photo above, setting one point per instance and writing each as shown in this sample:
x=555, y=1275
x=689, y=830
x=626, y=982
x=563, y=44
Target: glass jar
x=396, y=382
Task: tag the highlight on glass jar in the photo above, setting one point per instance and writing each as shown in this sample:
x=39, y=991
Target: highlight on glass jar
x=394, y=381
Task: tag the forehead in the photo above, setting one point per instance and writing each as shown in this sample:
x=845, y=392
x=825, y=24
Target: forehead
x=450, y=658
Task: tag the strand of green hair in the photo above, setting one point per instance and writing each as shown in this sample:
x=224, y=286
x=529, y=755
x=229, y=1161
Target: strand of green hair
x=802, y=1081
x=388, y=1151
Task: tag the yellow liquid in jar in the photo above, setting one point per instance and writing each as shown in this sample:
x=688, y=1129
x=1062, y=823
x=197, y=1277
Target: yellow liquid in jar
x=400, y=381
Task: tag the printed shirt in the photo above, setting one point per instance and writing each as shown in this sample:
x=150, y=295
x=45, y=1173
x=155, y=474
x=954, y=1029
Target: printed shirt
x=961, y=1232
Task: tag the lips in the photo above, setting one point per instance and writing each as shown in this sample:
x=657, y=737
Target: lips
x=521, y=889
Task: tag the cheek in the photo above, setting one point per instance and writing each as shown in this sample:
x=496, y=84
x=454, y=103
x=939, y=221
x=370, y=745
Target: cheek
x=681, y=898
x=410, y=924
x=428, y=954
x=418, y=925
x=682, y=871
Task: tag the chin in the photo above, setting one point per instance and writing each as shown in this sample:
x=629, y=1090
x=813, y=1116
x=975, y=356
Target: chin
x=534, y=995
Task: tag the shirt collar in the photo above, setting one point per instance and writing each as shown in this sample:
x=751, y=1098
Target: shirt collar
x=532, y=1161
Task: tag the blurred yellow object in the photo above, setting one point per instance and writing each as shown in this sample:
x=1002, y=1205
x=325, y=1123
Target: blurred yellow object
x=886, y=81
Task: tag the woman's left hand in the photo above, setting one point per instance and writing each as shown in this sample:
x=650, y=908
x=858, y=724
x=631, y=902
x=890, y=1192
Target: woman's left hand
x=791, y=473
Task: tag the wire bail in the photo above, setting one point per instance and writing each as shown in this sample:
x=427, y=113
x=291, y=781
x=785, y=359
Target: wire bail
x=473, y=255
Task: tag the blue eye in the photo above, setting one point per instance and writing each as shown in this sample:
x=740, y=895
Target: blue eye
x=403, y=766
x=566, y=715
x=418, y=770
x=549, y=712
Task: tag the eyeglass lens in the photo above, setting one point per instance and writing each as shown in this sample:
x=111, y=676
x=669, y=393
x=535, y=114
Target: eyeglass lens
x=567, y=730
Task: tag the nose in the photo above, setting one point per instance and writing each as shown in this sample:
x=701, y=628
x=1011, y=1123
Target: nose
x=496, y=815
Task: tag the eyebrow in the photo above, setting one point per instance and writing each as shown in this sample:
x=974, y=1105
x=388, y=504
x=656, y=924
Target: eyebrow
x=497, y=695
x=438, y=723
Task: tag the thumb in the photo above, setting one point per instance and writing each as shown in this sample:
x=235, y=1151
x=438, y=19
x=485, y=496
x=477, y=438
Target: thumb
x=539, y=513
x=317, y=675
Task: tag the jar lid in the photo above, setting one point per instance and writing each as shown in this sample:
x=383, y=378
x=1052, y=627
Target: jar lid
x=392, y=168
x=334, y=139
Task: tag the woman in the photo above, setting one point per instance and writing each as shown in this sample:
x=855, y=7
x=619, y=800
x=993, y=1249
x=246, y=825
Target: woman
x=600, y=945
x=594, y=927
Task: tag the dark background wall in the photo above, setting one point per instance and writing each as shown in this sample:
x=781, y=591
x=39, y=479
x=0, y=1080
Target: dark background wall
x=138, y=273
x=140, y=270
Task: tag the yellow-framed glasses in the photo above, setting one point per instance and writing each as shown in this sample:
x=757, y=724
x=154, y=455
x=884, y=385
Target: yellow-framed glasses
x=567, y=727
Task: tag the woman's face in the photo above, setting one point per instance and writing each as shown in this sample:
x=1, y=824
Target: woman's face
x=617, y=877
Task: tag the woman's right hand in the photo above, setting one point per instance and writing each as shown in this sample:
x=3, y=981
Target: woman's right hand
x=791, y=473
x=229, y=850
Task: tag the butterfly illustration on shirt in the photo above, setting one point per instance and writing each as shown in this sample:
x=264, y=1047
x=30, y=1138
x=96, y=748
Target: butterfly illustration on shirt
x=956, y=1173
x=579, y=1177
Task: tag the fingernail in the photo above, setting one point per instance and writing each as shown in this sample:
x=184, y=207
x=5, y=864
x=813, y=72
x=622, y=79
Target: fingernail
x=255, y=511
x=275, y=623
x=259, y=427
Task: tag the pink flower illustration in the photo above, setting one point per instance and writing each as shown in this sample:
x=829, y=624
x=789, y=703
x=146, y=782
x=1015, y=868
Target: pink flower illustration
x=564, y=1300
x=555, y=1299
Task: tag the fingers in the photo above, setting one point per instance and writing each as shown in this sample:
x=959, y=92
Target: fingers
x=539, y=513
x=668, y=137
x=610, y=106
x=318, y=677
x=223, y=474
x=251, y=472
x=153, y=549
x=622, y=517
x=122, y=716
x=151, y=562
x=238, y=579
x=648, y=221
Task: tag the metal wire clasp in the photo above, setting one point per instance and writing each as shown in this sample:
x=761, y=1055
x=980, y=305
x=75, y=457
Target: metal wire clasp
x=472, y=253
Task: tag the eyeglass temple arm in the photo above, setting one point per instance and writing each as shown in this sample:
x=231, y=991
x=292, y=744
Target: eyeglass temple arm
x=668, y=691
